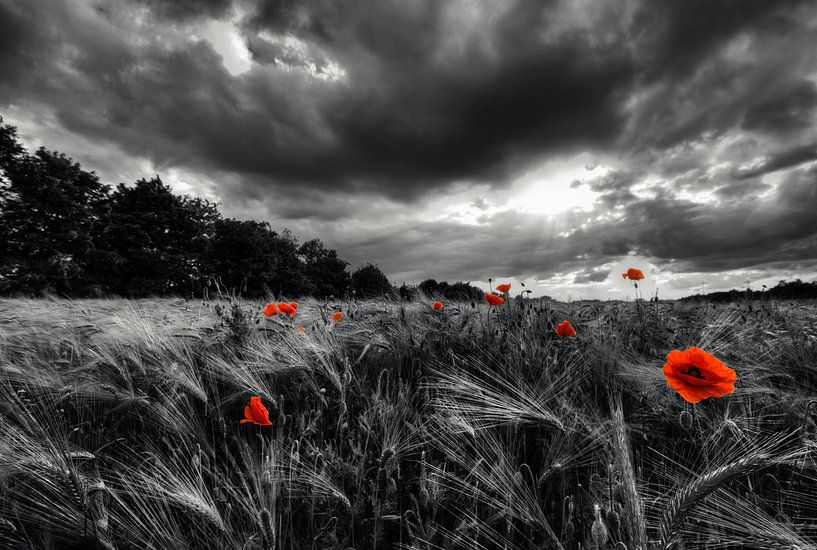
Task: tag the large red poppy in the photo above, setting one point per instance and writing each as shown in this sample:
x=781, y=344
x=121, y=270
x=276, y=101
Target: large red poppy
x=284, y=307
x=565, y=329
x=633, y=274
x=270, y=310
x=493, y=299
x=505, y=287
x=697, y=375
x=256, y=413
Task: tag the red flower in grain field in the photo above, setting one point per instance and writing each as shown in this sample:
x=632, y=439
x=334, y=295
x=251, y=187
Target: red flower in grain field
x=437, y=306
x=565, y=329
x=300, y=328
x=270, y=310
x=294, y=305
x=284, y=307
x=505, y=287
x=337, y=316
x=256, y=413
x=697, y=375
x=633, y=274
x=493, y=299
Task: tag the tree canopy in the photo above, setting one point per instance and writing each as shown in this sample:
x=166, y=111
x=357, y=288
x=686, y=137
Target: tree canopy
x=66, y=232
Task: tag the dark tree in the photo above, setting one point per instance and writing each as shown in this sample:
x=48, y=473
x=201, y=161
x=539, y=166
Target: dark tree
x=430, y=287
x=49, y=209
x=154, y=241
x=248, y=257
x=369, y=280
x=63, y=231
x=327, y=273
x=407, y=292
x=456, y=291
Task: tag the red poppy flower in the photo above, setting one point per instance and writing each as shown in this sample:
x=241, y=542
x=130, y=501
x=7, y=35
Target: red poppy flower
x=270, y=310
x=697, y=375
x=633, y=274
x=438, y=306
x=284, y=307
x=294, y=305
x=256, y=413
x=565, y=329
x=337, y=316
x=505, y=287
x=493, y=299
x=300, y=328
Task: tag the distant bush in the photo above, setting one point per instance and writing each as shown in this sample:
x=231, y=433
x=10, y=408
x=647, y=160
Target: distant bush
x=784, y=290
x=369, y=281
x=456, y=291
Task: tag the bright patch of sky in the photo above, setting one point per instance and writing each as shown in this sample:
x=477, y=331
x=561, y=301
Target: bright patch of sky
x=227, y=41
x=547, y=190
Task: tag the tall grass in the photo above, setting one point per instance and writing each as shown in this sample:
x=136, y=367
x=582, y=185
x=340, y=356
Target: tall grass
x=401, y=427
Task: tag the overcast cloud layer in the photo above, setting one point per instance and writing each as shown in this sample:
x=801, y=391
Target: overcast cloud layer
x=540, y=141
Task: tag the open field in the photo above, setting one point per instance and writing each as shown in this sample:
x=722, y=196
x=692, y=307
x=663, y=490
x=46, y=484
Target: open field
x=402, y=427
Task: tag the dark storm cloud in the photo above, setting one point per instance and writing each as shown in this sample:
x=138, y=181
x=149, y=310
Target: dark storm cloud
x=719, y=236
x=187, y=9
x=21, y=45
x=348, y=107
x=791, y=110
x=422, y=96
x=410, y=112
x=680, y=235
x=591, y=276
x=782, y=160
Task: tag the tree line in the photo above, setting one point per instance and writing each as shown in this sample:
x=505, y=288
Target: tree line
x=65, y=232
x=784, y=290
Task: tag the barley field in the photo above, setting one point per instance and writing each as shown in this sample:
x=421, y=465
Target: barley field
x=399, y=426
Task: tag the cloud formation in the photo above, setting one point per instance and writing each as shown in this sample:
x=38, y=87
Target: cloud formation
x=412, y=134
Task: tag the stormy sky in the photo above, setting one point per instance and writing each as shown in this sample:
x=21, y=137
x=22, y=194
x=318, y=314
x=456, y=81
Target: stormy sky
x=550, y=142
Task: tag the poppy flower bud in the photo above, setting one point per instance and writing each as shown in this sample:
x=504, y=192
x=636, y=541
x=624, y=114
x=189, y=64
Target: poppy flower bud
x=613, y=520
x=598, y=532
x=386, y=456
